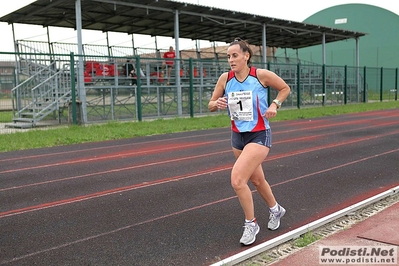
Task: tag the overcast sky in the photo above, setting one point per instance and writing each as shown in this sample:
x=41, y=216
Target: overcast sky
x=282, y=9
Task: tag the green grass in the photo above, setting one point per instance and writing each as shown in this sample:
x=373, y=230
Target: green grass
x=306, y=239
x=5, y=116
x=119, y=130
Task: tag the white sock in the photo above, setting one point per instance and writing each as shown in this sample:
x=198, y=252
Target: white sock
x=275, y=208
x=252, y=222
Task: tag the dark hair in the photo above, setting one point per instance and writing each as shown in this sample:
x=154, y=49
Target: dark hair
x=244, y=46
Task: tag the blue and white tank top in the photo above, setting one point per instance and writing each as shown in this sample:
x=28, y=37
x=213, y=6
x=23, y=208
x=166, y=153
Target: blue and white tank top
x=247, y=102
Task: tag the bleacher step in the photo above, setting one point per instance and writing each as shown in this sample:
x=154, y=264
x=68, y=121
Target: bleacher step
x=19, y=125
x=23, y=120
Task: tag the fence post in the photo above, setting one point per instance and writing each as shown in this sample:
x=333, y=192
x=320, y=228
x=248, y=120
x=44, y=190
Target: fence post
x=73, y=88
x=364, y=85
x=191, y=93
x=298, y=82
x=269, y=98
x=381, y=83
x=396, y=84
x=138, y=94
x=324, y=84
x=345, y=84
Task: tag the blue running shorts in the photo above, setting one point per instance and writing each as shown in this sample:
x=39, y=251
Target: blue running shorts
x=239, y=140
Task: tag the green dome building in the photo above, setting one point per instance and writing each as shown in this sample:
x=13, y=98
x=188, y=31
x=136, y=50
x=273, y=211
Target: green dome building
x=379, y=48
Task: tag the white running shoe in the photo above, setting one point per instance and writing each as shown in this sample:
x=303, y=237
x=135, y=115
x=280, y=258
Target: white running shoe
x=250, y=232
x=274, y=218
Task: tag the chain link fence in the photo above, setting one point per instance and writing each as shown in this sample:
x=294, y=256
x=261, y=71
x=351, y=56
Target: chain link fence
x=100, y=88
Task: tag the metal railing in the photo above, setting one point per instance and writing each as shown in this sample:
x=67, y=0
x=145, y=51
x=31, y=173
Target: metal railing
x=106, y=92
x=41, y=94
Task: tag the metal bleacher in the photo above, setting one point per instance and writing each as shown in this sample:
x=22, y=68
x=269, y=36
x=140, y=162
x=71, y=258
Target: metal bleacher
x=43, y=89
x=110, y=93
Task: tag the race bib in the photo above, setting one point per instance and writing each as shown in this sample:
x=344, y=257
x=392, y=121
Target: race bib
x=240, y=105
